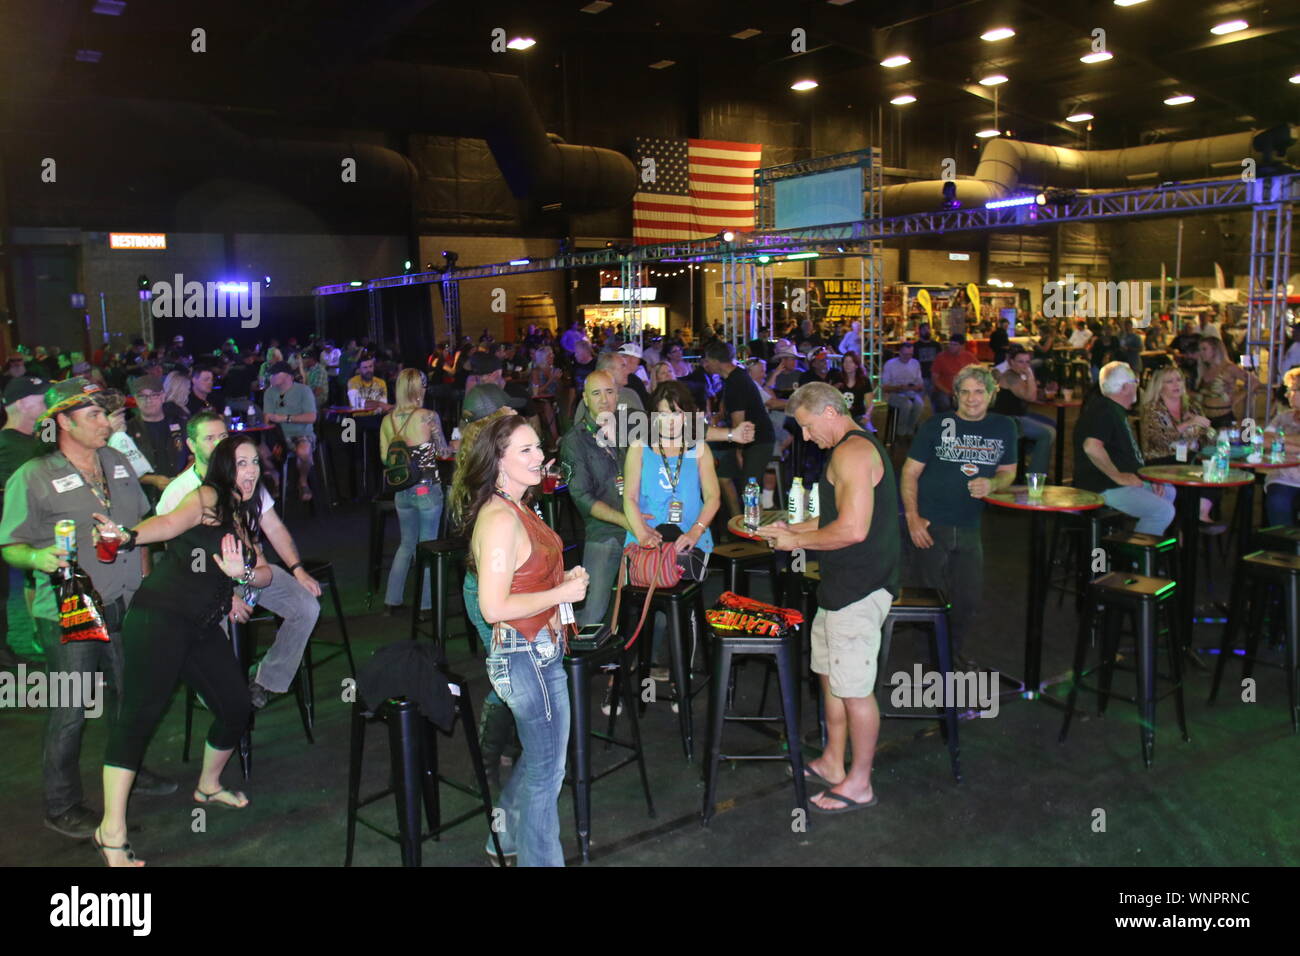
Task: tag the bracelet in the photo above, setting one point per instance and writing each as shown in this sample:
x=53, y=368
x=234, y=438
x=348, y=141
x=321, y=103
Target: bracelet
x=131, y=535
x=700, y=526
x=729, y=438
x=295, y=567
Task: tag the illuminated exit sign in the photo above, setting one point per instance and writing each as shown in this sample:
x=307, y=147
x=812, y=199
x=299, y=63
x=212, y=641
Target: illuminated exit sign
x=137, y=240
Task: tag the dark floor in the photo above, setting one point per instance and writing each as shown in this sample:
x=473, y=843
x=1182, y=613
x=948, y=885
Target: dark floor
x=1225, y=798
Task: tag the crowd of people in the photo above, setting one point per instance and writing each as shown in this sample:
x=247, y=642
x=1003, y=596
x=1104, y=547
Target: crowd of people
x=150, y=447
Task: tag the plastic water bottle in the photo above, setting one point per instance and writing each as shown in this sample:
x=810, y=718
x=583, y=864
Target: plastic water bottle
x=1223, y=443
x=798, y=504
x=753, y=505
x=814, y=501
x=1257, y=446
x=1278, y=450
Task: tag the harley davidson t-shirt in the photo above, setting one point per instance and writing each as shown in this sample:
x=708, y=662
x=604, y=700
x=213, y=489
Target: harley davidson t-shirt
x=954, y=451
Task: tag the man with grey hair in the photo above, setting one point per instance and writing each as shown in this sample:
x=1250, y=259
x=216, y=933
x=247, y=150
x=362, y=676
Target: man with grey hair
x=1107, y=457
x=857, y=537
x=955, y=462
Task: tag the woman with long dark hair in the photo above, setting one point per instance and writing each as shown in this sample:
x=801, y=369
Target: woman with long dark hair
x=173, y=631
x=519, y=563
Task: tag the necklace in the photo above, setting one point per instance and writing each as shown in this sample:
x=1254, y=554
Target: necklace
x=97, y=482
x=536, y=508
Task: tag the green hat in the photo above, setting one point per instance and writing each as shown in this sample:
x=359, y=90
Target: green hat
x=69, y=395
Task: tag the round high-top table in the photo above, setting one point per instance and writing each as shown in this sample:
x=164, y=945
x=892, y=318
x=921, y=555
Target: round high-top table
x=1244, y=518
x=736, y=525
x=1188, y=480
x=1055, y=498
x=1060, y=404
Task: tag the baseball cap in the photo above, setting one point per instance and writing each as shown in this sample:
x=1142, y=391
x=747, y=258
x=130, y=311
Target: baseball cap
x=785, y=350
x=279, y=367
x=482, y=363
x=70, y=395
x=483, y=400
x=24, y=386
x=145, y=382
x=632, y=349
x=957, y=337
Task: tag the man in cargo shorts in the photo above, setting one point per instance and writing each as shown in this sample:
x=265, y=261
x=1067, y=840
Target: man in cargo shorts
x=857, y=539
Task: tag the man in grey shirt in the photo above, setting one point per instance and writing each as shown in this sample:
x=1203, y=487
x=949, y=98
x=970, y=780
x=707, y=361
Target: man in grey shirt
x=292, y=406
x=595, y=467
x=80, y=478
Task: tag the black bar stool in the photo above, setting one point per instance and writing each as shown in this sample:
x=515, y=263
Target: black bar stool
x=1279, y=537
x=786, y=652
x=414, y=776
x=738, y=559
x=1089, y=527
x=1146, y=554
x=1250, y=582
x=582, y=666
x=439, y=557
x=683, y=606
x=1144, y=598
x=801, y=592
x=928, y=607
x=380, y=509
x=323, y=572
x=304, y=689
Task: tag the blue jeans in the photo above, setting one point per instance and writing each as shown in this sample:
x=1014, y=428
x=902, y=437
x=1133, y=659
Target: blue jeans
x=1280, y=502
x=418, y=516
x=1043, y=433
x=530, y=679
x=1152, y=505
x=600, y=559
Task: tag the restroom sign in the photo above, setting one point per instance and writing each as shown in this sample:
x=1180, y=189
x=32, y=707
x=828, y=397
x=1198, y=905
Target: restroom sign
x=137, y=240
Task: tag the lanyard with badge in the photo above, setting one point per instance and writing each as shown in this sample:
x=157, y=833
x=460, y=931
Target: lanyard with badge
x=618, y=482
x=673, y=477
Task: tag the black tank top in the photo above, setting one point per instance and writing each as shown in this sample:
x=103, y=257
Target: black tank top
x=850, y=574
x=203, y=596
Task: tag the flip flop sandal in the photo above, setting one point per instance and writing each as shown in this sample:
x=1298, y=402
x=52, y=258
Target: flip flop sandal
x=100, y=848
x=210, y=799
x=848, y=805
x=812, y=776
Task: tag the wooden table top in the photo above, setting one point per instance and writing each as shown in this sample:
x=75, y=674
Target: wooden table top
x=1055, y=498
x=737, y=523
x=1188, y=476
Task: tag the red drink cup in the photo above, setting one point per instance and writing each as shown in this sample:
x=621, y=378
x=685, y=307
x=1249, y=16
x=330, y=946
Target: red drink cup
x=106, y=548
x=549, y=481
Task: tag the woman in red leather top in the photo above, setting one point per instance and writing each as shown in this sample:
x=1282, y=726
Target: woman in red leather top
x=521, y=585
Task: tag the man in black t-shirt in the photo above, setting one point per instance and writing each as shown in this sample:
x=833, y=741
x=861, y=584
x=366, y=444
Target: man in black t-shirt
x=954, y=462
x=926, y=349
x=1000, y=341
x=1107, y=457
x=743, y=403
x=159, y=433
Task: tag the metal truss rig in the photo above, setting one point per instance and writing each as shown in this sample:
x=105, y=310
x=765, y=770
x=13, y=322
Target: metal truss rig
x=854, y=238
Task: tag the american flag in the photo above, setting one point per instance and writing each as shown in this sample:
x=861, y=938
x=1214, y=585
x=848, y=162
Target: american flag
x=700, y=187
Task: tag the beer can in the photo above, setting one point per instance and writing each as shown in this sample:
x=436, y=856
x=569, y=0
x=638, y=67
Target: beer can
x=65, y=536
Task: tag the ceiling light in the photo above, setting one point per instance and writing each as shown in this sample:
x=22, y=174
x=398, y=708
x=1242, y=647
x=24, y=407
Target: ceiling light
x=746, y=34
x=903, y=99
x=1128, y=3
x=897, y=59
x=995, y=80
x=1232, y=26
x=1101, y=56
x=999, y=33
x=838, y=3
x=802, y=85
x=662, y=64
x=986, y=133
x=1179, y=100
x=1296, y=78
x=89, y=56
x=1078, y=117
x=109, y=8
x=596, y=6
x=521, y=43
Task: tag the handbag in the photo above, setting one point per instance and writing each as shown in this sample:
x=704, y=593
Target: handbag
x=694, y=562
x=648, y=568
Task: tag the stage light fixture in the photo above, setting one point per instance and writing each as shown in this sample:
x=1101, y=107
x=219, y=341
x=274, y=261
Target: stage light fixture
x=449, y=258
x=142, y=281
x=726, y=235
x=903, y=99
x=1081, y=117
x=998, y=33
x=950, y=200
x=521, y=43
x=804, y=85
x=897, y=60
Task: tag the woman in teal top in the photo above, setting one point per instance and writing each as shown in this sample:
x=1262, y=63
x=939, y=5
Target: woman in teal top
x=671, y=478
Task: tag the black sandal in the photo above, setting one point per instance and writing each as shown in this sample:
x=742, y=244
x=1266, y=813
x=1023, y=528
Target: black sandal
x=204, y=799
x=101, y=849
